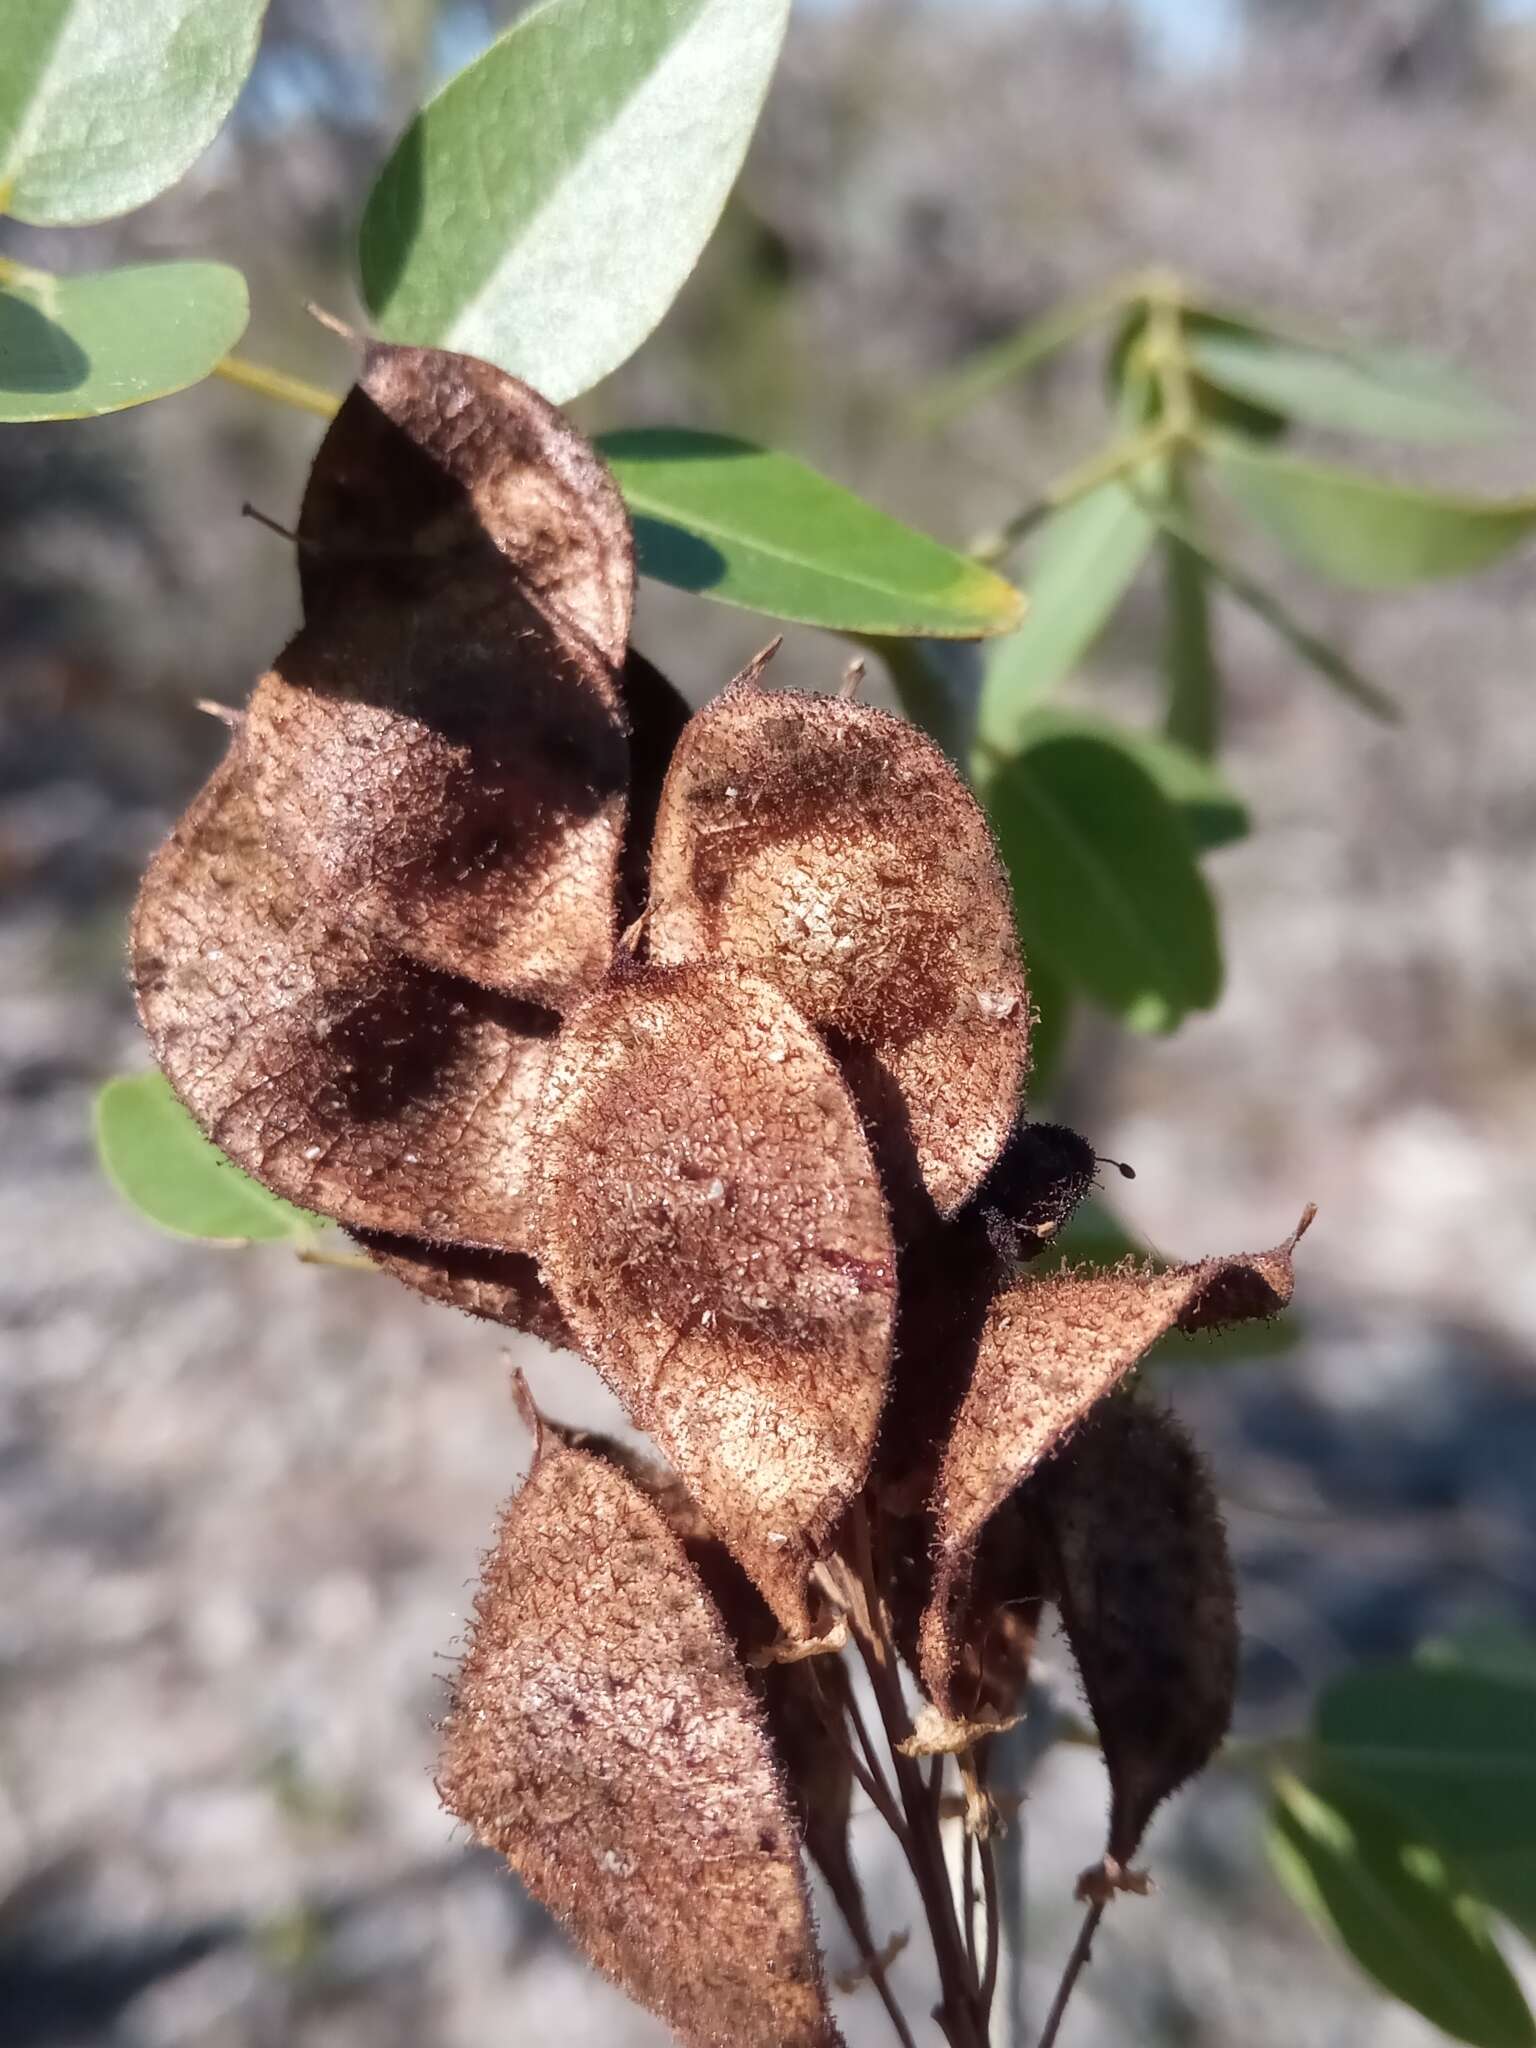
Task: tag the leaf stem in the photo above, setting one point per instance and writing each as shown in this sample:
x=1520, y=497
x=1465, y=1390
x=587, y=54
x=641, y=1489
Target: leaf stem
x=278, y=386
x=1120, y=458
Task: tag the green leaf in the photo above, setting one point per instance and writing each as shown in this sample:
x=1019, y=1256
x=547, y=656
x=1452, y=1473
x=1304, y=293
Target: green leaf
x=1452, y=1750
x=1497, y=1648
x=735, y=522
x=72, y=347
x=1389, y=1900
x=160, y=1162
x=104, y=103
x=1104, y=878
x=1048, y=1039
x=545, y=208
x=1213, y=814
x=1189, y=653
x=1362, y=391
x=1086, y=558
x=1316, y=652
x=1362, y=531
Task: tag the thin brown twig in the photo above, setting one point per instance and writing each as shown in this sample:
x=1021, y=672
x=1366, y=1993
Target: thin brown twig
x=1077, y=1962
x=994, y=1923
x=968, y=1893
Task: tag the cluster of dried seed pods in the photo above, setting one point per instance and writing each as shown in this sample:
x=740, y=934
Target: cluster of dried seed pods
x=696, y=1045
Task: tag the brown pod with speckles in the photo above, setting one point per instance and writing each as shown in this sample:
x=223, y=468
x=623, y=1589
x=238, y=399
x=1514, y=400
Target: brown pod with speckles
x=1148, y=1603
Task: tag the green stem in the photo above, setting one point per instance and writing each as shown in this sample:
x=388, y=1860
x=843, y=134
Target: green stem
x=1193, y=715
x=1121, y=458
x=277, y=385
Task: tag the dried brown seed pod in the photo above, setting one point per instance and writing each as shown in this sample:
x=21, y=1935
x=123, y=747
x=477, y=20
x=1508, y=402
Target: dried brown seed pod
x=1051, y=1349
x=438, y=462
x=603, y=1737
x=713, y=1229
x=833, y=850
x=348, y=1080
x=1147, y=1601
x=503, y=1287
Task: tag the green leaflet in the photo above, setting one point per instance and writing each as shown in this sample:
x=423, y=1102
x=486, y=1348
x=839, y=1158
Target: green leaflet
x=739, y=523
x=1368, y=1883
x=72, y=347
x=545, y=208
x=160, y=1162
x=104, y=103
x=1362, y=391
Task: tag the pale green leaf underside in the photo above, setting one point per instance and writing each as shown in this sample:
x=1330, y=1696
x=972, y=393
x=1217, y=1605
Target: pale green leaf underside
x=1392, y=1904
x=1363, y=531
x=77, y=346
x=739, y=523
x=544, y=210
x=104, y=103
x=1364, y=391
x=160, y=1162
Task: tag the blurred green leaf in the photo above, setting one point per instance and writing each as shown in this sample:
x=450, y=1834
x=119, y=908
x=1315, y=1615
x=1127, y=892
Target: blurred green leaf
x=72, y=347
x=1189, y=654
x=1051, y=996
x=1363, y=391
x=1452, y=1751
x=1214, y=815
x=1085, y=558
x=1497, y=1648
x=1104, y=878
x=1016, y=354
x=545, y=208
x=1316, y=652
x=1362, y=531
x=1364, y=1880
x=104, y=103
x=736, y=522
x=160, y=1162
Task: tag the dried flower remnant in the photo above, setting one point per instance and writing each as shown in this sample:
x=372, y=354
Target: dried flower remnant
x=1051, y=1350
x=713, y=1229
x=1148, y=1604
x=604, y=1739
x=832, y=849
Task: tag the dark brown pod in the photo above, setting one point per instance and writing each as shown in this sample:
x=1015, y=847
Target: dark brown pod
x=604, y=1738
x=713, y=1228
x=346, y=1079
x=1147, y=1601
x=832, y=849
x=1050, y=1351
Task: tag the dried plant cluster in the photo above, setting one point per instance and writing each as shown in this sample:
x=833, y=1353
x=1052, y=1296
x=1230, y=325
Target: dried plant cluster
x=696, y=1045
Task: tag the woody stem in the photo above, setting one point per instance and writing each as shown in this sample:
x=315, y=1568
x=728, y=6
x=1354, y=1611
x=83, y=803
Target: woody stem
x=1077, y=1962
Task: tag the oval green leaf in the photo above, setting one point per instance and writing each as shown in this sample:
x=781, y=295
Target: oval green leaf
x=160, y=1162
x=73, y=347
x=1104, y=878
x=102, y=104
x=736, y=522
x=1452, y=1750
x=1085, y=559
x=1391, y=1903
x=544, y=210
x=1362, y=531
x=1364, y=391
x=1213, y=813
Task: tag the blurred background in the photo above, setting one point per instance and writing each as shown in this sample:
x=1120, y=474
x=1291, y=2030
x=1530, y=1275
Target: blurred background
x=242, y=1499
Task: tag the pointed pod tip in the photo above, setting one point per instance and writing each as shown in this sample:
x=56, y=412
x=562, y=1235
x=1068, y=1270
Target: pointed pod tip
x=1302, y=1227
x=334, y=323
x=528, y=1412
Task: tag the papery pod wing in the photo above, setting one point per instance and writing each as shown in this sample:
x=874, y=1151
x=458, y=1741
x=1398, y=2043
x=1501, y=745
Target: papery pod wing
x=833, y=850
x=350, y=1081
x=713, y=1229
x=603, y=1737
x=437, y=462
x=447, y=747
x=501, y=1287
x=1148, y=1603
x=1050, y=1350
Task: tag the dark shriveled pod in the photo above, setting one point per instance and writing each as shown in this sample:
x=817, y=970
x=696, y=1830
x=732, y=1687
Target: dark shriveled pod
x=712, y=1227
x=832, y=850
x=604, y=1738
x=1050, y=1351
x=1145, y=1586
